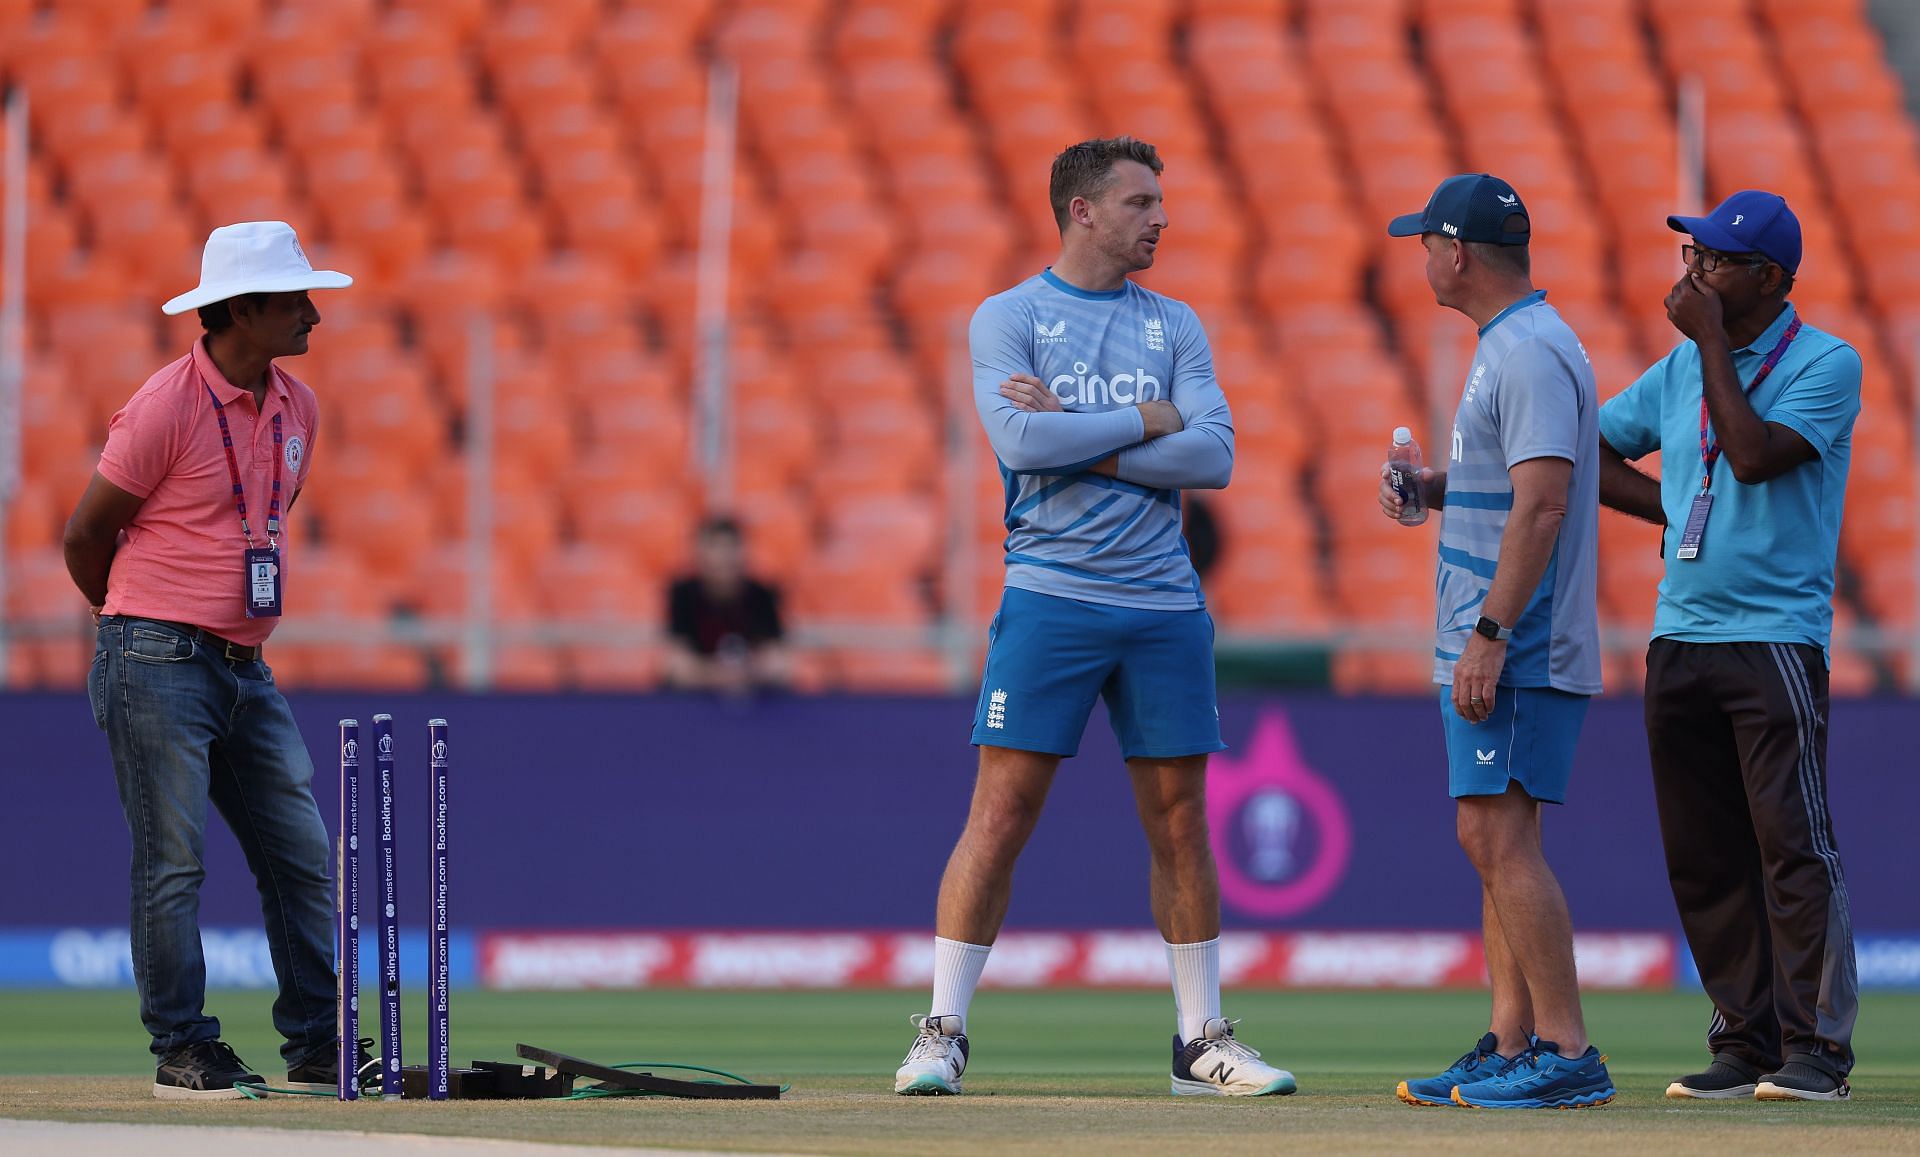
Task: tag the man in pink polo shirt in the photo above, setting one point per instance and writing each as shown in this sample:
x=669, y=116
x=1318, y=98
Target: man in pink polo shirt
x=179, y=547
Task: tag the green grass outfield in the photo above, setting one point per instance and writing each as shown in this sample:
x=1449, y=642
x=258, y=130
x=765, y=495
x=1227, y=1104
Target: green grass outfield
x=1061, y=1072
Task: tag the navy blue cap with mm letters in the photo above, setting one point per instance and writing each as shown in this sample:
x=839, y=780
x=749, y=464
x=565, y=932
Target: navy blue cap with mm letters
x=1470, y=207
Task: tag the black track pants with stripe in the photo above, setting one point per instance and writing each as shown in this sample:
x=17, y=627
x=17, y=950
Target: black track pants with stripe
x=1738, y=735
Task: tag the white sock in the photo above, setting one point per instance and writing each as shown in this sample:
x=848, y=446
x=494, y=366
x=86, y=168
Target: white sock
x=956, y=973
x=1196, y=985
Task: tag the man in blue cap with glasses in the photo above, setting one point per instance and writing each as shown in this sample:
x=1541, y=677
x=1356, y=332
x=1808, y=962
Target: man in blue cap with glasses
x=1754, y=412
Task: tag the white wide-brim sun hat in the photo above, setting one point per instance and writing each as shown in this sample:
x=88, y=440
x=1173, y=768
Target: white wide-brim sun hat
x=253, y=257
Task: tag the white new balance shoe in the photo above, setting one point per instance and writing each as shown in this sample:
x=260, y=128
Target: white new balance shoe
x=936, y=1060
x=1216, y=1065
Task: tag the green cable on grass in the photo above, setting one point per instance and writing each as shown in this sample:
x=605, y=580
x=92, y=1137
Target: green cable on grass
x=598, y=1091
x=253, y=1092
x=261, y=1092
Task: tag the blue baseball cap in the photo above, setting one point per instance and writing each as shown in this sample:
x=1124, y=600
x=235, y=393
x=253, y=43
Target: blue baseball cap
x=1750, y=221
x=1471, y=207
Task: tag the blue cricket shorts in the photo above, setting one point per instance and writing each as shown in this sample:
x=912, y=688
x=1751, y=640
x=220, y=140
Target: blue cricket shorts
x=1049, y=658
x=1529, y=740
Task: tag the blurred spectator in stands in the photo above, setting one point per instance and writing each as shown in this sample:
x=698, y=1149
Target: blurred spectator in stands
x=723, y=625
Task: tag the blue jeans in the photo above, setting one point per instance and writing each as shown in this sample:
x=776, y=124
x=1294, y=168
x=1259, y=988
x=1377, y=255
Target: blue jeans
x=186, y=726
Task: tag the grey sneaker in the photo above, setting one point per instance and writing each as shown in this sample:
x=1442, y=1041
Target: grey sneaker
x=206, y=1070
x=319, y=1071
x=1804, y=1078
x=1728, y=1078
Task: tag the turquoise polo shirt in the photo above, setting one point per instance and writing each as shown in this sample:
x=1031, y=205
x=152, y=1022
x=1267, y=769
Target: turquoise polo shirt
x=1765, y=569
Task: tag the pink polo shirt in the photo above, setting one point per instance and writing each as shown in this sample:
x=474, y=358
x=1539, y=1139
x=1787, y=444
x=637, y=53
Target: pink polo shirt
x=181, y=556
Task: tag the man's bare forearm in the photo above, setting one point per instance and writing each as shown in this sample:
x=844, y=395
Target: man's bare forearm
x=1526, y=546
x=1627, y=490
x=89, y=561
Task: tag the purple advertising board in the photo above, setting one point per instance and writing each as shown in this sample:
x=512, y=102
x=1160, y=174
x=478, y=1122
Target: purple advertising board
x=809, y=813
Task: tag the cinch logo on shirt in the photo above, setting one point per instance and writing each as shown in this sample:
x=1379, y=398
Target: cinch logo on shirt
x=1138, y=386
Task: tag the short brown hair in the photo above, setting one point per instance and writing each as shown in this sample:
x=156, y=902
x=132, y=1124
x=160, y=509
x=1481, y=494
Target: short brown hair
x=1511, y=259
x=1086, y=169
x=218, y=317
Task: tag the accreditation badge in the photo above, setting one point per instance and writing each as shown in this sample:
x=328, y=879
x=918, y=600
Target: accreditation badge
x=263, y=582
x=1696, y=528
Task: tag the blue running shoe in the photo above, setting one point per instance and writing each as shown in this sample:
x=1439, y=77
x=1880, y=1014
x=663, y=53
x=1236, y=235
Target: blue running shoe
x=1477, y=1064
x=1541, y=1078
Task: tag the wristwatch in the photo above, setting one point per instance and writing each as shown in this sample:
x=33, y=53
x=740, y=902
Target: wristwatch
x=1492, y=630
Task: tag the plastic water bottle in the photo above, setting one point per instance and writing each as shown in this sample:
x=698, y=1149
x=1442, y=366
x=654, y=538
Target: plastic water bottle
x=1403, y=474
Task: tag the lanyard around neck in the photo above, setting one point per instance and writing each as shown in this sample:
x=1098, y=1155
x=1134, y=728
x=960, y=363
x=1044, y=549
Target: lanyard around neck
x=1710, y=449
x=233, y=471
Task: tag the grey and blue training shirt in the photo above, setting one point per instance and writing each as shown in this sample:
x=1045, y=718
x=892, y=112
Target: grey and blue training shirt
x=1086, y=536
x=1530, y=394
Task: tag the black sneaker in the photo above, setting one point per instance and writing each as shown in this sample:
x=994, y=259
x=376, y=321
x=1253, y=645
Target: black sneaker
x=1804, y=1078
x=320, y=1071
x=206, y=1070
x=1728, y=1078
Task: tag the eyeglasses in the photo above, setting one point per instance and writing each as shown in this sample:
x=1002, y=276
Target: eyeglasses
x=1711, y=259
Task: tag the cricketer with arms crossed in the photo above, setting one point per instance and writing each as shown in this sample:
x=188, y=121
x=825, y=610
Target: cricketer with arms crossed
x=1100, y=402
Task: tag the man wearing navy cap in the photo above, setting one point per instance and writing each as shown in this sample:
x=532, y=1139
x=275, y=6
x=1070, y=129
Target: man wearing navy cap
x=1517, y=645
x=1755, y=413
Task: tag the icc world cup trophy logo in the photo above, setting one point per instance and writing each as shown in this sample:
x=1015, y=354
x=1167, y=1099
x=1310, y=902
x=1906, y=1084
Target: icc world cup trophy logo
x=1280, y=832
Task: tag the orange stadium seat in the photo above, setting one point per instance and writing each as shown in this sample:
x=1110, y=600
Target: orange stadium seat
x=855, y=586
x=38, y=585
x=879, y=31
x=297, y=65
x=1502, y=13
x=587, y=581
x=779, y=533
x=332, y=583
x=663, y=106
x=53, y=56
x=35, y=522
x=239, y=183
x=64, y=278
x=304, y=665
x=652, y=523
x=646, y=29
x=891, y=671
x=616, y=668
x=986, y=34
x=100, y=352
x=902, y=528
x=510, y=158
x=760, y=31
x=177, y=68
x=655, y=430
x=50, y=664
x=527, y=83
x=498, y=224
x=187, y=129
x=86, y=121
x=349, y=166
x=1265, y=590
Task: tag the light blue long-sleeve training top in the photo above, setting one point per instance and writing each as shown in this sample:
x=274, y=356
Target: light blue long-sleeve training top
x=1086, y=536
